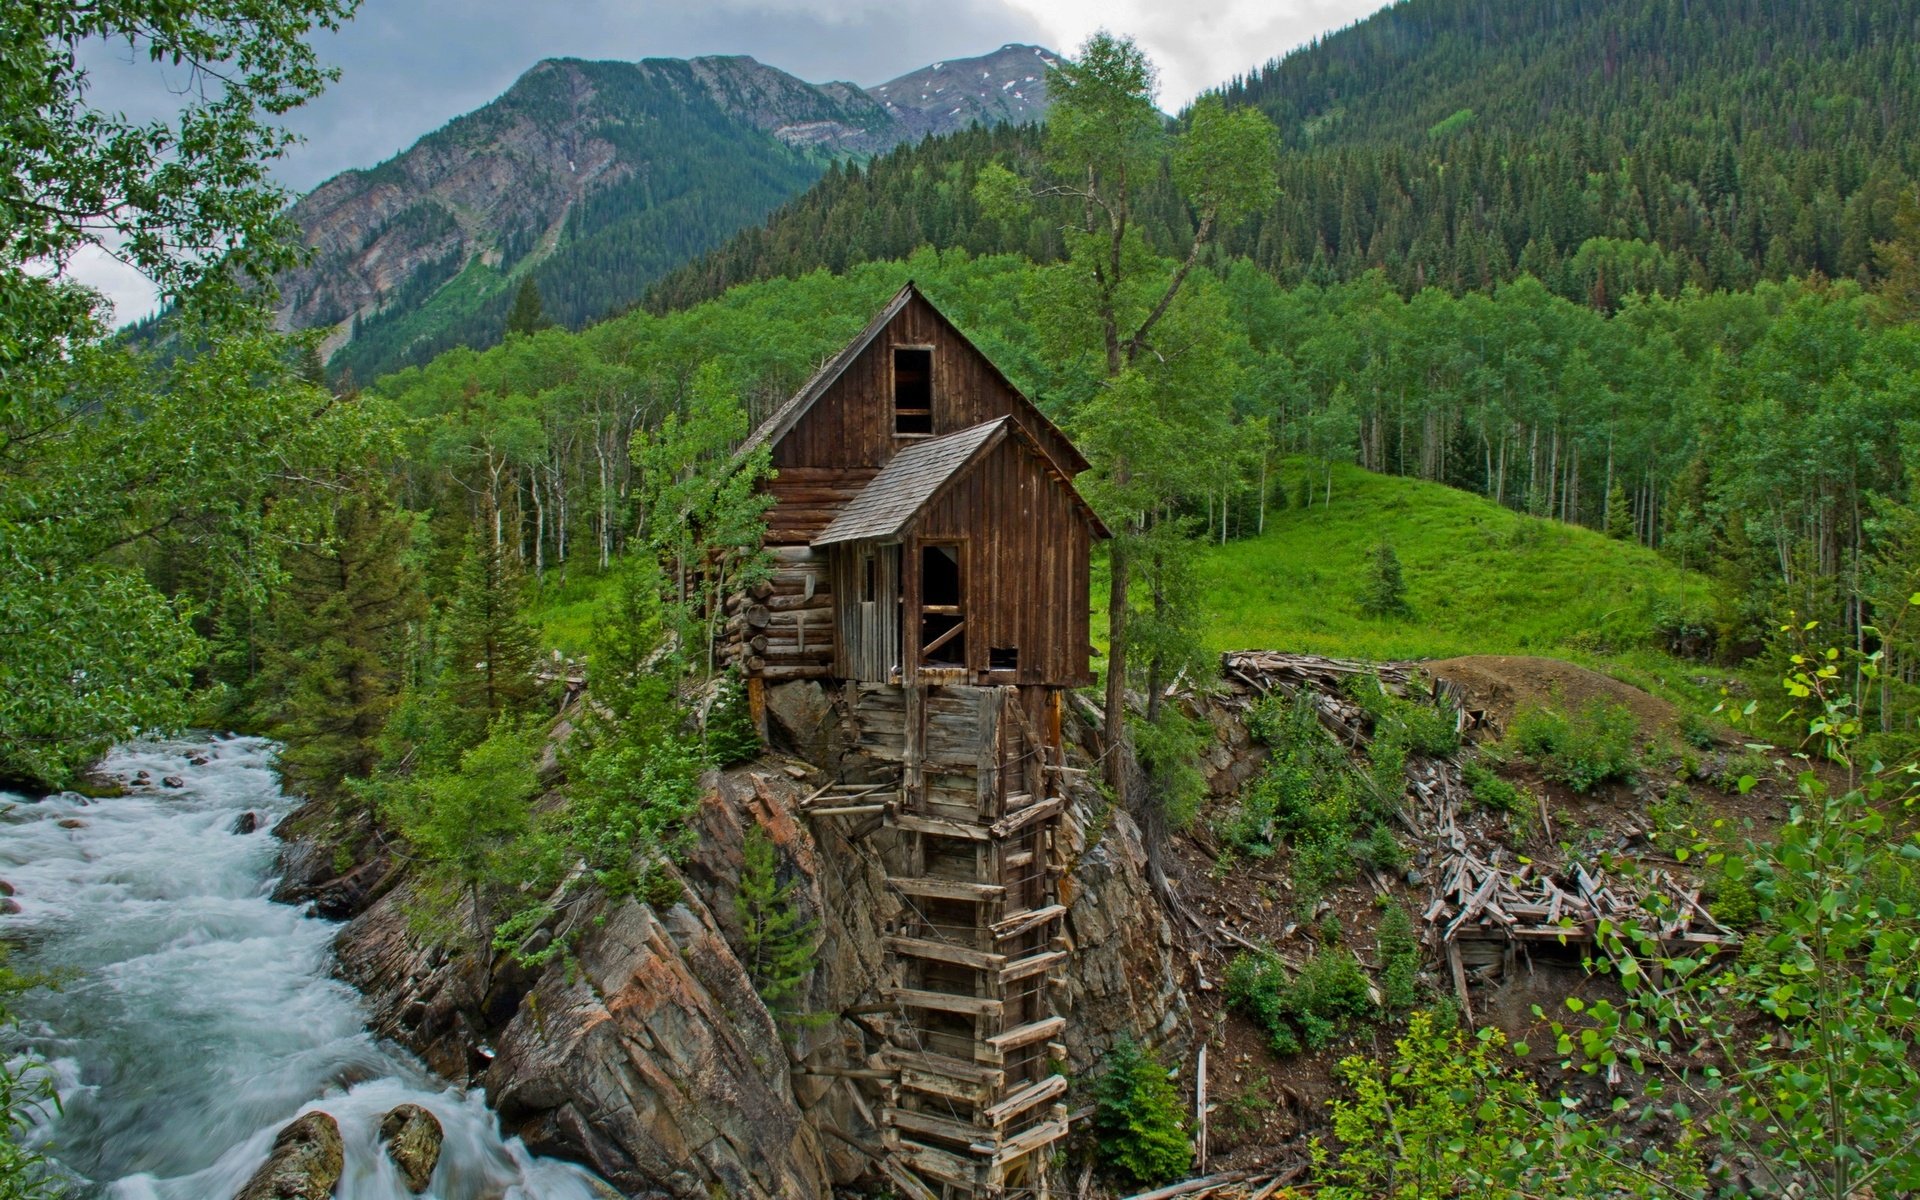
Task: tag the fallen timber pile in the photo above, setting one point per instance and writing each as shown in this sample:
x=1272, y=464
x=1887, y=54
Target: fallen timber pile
x=1486, y=904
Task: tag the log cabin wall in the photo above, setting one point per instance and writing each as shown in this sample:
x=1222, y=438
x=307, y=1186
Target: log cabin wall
x=1026, y=544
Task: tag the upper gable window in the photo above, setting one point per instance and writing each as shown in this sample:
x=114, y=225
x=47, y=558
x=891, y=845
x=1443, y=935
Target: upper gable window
x=912, y=390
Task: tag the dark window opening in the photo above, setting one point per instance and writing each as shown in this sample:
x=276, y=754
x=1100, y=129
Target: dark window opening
x=870, y=578
x=943, y=637
x=912, y=390
x=1003, y=658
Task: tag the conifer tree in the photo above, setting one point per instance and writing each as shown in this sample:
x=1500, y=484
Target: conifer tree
x=776, y=946
x=1138, y=1117
x=1619, y=515
x=527, y=314
x=1385, y=594
x=341, y=624
x=491, y=650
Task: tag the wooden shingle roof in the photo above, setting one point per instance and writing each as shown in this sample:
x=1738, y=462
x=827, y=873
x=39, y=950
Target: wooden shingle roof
x=905, y=486
x=888, y=504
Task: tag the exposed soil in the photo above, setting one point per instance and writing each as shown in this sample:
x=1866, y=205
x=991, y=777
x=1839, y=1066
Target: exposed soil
x=1501, y=684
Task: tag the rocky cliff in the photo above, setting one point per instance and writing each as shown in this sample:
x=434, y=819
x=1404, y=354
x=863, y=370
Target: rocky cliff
x=597, y=178
x=648, y=1056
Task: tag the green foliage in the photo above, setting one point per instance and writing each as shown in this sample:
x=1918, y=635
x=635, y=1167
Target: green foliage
x=1492, y=792
x=1824, y=1095
x=1582, y=750
x=1247, y=1110
x=1308, y=1010
x=1138, y=1118
x=26, y=1095
x=1384, y=593
x=730, y=735
x=526, y=315
x=777, y=947
x=1397, y=947
x=472, y=827
x=1169, y=748
x=1442, y=1118
x=491, y=653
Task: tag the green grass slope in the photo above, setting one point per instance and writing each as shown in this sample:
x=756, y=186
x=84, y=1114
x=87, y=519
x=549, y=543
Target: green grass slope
x=1480, y=579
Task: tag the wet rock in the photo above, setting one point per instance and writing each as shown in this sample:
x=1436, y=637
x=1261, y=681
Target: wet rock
x=198, y=760
x=142, y=777
x=6, y=889
x=412, y=1136
x=173, y=781
x=304, y=1164
x=247, y=822
x=71, y=823
x=9, y=906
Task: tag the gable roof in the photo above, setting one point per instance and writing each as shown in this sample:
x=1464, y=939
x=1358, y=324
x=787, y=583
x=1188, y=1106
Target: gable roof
x=784, y=418
x=905, y=486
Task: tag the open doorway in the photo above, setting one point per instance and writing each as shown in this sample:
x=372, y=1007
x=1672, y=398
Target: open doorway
x=943, y=624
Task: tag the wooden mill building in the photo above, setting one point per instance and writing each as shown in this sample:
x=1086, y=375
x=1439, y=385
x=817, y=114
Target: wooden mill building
x=931, y=567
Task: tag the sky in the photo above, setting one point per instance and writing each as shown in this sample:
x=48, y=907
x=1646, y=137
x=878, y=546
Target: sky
x=409, y=66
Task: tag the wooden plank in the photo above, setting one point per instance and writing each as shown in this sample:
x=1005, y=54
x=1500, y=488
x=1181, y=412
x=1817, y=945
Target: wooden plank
x=903, y=1178
x=946, y=1066
x=947, y=952
x=1033, y=965
x=972, y=1006
x=1026, y=922
x=1027, y=1097
x=1043, y=1134
x=943, y=1165
x=946, y=889
x=916, y=823
x=1026, y=1035
x=931, y=1125
x=1010, y=825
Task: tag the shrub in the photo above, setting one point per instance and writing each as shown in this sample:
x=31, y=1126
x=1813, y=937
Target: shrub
x=1398, y=949
x=1581, y=751
x=730, y=733
x=1248, y=1109
x=1138, y=1118
x=1305, y=1011
x=776, y=946
x=1492, y=792
x=1382, y=850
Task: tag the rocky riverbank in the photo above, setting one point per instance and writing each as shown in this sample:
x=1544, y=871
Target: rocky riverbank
x=645, y=1054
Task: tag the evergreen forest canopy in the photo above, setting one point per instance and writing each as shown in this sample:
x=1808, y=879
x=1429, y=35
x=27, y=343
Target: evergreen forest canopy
x=1605, y=147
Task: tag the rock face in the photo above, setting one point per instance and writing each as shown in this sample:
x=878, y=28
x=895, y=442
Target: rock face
x=304, y=1164
x=650, y=1059
x=412, y=1136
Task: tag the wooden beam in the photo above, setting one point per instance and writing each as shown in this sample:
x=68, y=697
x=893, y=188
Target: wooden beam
x=948, y=952
x=974, y=1006
x=947, y=889
x=1026, y=1035
x=944, y=1128
x=1009, y=825
x=1043, y=1134
x=915, y=823
x=1027, y=1097
x=903, y=1179
x=943, y=1165
x=1032, y=965
x=1026, y=922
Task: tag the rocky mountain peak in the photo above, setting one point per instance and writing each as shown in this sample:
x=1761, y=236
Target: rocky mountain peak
x=1008, y=85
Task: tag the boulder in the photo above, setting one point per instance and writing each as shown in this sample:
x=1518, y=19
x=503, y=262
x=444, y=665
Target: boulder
x=173, y=781
x=247, y=822
x=8, y=906
x=412, y=1136
x=6, y=889
x=71, y=823
x=304, y=1164
x=800, y=720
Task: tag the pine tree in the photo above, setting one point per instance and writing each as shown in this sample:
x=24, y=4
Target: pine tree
x=1138, y=1117
x=1385, y=593
x=776, y=946
x=527, y=314
x=1619, y=515
x=340, y=631
x=491, y=650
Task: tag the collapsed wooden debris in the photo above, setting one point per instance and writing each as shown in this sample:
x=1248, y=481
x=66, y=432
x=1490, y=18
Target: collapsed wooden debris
x=1484, y=901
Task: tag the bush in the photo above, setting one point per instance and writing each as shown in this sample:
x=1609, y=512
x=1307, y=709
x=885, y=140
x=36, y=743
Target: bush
x=1492, y=792
x=1306, y=1011
x=1382, y=851
x=777, y=948
x=1398, y=949
x=1138, y=1118
x=730, y=734
x=1582, y=751
x=1384, y=593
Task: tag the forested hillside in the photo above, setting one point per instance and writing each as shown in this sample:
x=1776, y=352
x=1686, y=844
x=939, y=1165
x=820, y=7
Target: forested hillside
x=1603, y=146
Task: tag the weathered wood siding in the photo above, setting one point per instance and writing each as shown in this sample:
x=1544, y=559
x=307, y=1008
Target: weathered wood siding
x=867, y=643
x=850, y=428
x=1026, y=546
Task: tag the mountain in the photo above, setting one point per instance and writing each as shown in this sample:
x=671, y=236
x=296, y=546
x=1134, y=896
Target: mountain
x=1604, y=146
x=595, y=178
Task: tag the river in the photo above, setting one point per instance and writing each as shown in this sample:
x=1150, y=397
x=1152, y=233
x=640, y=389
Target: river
x=198, y=1016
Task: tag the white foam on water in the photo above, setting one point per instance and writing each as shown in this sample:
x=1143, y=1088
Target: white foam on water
x=198, y=1016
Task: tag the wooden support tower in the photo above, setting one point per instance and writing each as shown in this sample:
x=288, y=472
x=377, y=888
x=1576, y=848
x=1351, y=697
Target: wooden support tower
x=979, y=949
